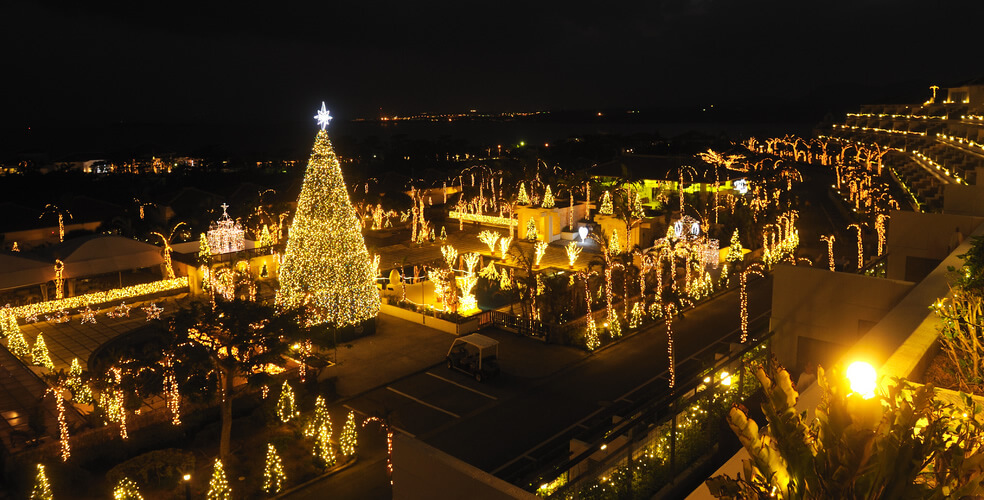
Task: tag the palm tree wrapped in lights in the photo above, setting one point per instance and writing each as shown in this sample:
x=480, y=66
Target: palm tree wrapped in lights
x=757, y=269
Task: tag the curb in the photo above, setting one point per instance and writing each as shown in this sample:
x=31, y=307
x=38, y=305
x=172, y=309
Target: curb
x=309, y=482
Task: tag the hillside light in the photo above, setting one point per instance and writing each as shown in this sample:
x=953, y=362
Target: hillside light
x=863, y=379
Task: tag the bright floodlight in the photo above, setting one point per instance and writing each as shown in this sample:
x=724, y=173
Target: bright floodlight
x=863, y=379
x=583, y=231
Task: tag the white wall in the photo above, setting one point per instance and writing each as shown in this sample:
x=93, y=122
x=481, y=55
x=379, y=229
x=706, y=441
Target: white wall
x=830, y=307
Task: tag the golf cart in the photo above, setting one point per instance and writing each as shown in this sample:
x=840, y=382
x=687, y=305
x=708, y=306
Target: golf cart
x=476, y=355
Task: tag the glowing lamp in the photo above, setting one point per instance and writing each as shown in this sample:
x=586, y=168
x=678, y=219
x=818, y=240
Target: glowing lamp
x=583, y=231
x=863, y=379
x=725, y=378
x=186, y=477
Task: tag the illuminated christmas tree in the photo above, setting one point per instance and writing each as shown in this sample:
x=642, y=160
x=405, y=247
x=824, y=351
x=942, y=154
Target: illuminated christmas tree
x=531, y=232
x=40, y=354
x=218, y=486
x=606, y=204
x=126, y=489
x=273, y=472
x=204, y=251
x=319, y=419
x=347, y=441
x=285, y=406
x=326, y=266
x=322, y=446
x=41, y=490
x=735, y=252
x=18, y=346
x=522, y=198
x=548, y=199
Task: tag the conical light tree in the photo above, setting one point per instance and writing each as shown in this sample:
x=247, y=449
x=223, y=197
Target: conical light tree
x=41, y=490
x=326, y=266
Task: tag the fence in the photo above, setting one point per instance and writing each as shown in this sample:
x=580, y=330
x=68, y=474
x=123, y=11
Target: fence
x=655, y=442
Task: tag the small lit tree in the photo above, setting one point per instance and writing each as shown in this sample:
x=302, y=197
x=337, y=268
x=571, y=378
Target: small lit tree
x=218, y=486
x=285, y=405
x=348, y=439
x=39, y=353
x=126, y=489
x=41, y=490
x=322, y=447
x=320, y=418
x=273, y=472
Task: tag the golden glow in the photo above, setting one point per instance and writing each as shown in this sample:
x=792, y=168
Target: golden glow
x=487, y=219
x=573, y=251
x=539, y=249
x=100, y=297
x=326, y=229
x=863, y=379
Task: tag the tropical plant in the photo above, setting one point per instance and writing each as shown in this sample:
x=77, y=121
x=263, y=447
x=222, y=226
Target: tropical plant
x=902, y=444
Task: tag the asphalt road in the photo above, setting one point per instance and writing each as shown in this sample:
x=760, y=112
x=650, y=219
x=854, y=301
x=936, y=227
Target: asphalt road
x=502, y=423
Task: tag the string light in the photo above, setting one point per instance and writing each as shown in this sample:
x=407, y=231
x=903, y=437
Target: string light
x=322, y=447
x=39, y=353
x=830, y=249
x=504, y=243
x=668, y=318
x=880, y=228
x=17, y=345
x=755, y=268
x=490, y=238
x=218, y=486
x=88, y=315
x=389, y=443
x=348, y=440
x=59, y=279
x=153, y=311
x=58, y=391
x=126, y=489
x=591, y=339
x=450, y=255
x=548, y=199
x=573, y=251
x=606, y=204
x=273, y=472
x=171, y=395
x=115, y=410
x=42, y=489
x=225, y=235
x=80, y=301
x=522, y=198
x=539, y=250
x=860, y=245
x=285, y=405
x=326, y=229
x=320, y=418
x=80, y=390
x=531, y=232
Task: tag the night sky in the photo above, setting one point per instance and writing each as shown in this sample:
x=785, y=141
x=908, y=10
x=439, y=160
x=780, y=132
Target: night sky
x=81, y=64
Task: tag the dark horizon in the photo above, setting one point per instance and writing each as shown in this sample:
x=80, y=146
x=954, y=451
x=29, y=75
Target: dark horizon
x=84, y=67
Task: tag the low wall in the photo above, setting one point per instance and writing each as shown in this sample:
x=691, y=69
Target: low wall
x=817, y=314
x=424, y=472
x=469, y=326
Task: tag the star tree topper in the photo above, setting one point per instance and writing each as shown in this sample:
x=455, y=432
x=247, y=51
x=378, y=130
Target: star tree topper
x=323, y=116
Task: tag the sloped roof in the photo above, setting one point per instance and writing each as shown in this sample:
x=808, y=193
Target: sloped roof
x=85, y=256
x=100, y=254
x=19, y=269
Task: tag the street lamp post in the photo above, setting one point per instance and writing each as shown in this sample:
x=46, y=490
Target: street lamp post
x=187, y=482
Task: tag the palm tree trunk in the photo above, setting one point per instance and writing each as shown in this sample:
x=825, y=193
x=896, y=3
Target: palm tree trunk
x=226, y=434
